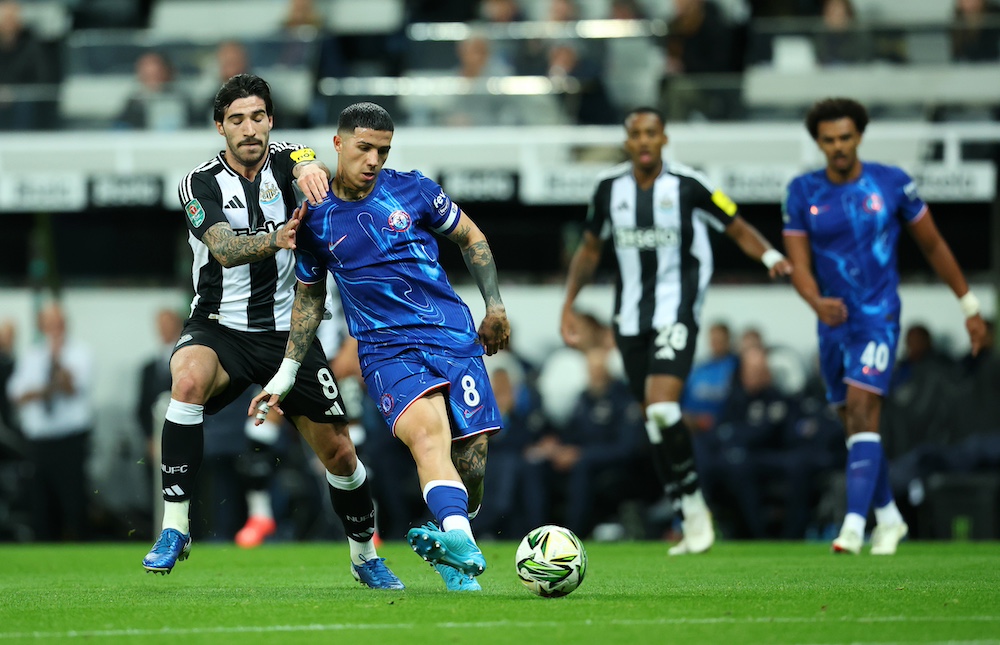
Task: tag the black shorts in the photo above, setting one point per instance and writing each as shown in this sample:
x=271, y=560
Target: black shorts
x=668, y=351
x=252, y=357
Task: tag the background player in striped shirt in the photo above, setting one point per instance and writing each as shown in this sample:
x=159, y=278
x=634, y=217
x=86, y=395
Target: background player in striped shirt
x=657, y=215
x=842, y=225
x=237, y=208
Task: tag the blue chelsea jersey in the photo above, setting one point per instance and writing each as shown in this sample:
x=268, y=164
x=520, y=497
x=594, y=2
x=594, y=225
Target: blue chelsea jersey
x=853, y=230
x=383, y=255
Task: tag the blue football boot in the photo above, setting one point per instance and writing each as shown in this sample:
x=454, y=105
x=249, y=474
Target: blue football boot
x=452, y=548
x=375, y=575
x=171, y=546
x=455, y=580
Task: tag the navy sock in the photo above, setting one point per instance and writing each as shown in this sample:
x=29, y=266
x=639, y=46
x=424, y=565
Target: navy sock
x=863, y=463
x=446, y=498
x=883, y=490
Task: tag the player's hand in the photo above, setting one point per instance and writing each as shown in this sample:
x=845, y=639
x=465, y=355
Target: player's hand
x=831, y=311
x=285, y=236
x=262, y=404
x=976, y=327
x=494, y=331
x=314, y=183
x=782, y=269
x=570, y=329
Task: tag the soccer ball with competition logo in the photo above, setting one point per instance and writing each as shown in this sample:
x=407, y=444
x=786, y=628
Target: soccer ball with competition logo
x=551, y=561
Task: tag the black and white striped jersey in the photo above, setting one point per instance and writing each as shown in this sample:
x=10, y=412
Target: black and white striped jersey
x=256, y=296
x=661, y=240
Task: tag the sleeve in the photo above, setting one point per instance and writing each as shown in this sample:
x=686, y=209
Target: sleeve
x=202, y=202
x=911, y=206
x=714, y=206
x=793, y=210
x=286, y=156
x=597, y=221
x=444, y=213
x=309, y=269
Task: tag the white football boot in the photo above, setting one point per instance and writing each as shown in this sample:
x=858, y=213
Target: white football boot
x=885, y=538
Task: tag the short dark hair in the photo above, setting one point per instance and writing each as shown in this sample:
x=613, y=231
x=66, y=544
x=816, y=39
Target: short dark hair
x=836, y=108
x=645, y=109
x=364, y=115
x=241, y=86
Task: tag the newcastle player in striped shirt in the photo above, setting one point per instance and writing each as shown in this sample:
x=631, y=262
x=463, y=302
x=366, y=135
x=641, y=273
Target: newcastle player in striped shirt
x=238, y=208
x=657, y=215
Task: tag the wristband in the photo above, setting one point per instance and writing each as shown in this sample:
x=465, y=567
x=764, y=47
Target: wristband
x=771, y=257
x=969, y=304
x=283, y=380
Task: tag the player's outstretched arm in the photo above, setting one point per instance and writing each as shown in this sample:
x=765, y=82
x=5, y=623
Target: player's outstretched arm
x=757, y=247
x=831, y=311
x=582, y=267
x=494, y=331
x=307, y=312
x=233, y=250
x=942, y=260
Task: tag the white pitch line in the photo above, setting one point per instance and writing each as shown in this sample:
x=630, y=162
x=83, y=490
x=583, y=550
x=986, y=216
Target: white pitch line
x=268, y=629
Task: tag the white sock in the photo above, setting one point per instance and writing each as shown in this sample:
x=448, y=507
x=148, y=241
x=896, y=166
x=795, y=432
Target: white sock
x=453, y=522
x=888, y=515
x=855, y=522
x=693, y=504
x=175, y=516
x=259, y=504
x=361, y=552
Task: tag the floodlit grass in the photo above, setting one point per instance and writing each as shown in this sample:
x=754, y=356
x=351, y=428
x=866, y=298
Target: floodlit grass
x=303, y=593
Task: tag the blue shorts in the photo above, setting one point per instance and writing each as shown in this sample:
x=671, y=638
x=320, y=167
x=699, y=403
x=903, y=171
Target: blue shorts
x=396, y=383
x=860, y=354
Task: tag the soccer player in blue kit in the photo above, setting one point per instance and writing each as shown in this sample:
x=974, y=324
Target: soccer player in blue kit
x=842, y=224
x=420, y=352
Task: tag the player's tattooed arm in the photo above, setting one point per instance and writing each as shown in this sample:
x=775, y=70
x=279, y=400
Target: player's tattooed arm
x=307, y=312
x=233, y=250
x=479, y=259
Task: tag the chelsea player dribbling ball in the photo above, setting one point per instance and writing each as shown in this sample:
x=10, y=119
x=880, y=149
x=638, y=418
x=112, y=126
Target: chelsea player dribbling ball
x=551, y=561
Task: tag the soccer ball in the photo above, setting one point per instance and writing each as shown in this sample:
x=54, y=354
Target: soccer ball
x=551, y=561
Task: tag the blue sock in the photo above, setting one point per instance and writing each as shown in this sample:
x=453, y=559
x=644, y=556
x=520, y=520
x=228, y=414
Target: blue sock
x=864, y=452
x=446, y=498
x=883, y=491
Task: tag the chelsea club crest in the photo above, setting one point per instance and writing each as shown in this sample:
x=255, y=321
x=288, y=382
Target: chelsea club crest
x=399, y=221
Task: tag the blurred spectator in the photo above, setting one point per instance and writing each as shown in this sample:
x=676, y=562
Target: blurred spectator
x=768, y=455
x=708, y=387
x=511, y=504
x=304, y=25
x=975, y=36
x=50, y=387
x=590, y=463
x=476, y=63
x=232, y=58
x=157, y=104
x=841, y=41
x=25, y=63
x=563, y=11
x=7, y=335
x=591, y=105
x=501, y=11
x=697, y=42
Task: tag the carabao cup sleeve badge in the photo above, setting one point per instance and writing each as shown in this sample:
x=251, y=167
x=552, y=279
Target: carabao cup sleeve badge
x=195, y=213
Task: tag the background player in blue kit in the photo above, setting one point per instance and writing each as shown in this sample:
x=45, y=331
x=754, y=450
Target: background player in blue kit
x=420, y=353
x=841, y=228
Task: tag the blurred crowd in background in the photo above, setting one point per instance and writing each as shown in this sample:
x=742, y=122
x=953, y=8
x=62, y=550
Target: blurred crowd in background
x=770, y=451
x=153, y=64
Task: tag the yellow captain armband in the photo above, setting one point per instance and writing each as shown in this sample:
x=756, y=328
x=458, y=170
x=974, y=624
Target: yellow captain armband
x=725, y=204
x=304, y=154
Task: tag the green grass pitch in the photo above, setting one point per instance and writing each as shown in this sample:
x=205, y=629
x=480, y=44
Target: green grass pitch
x=633, y=593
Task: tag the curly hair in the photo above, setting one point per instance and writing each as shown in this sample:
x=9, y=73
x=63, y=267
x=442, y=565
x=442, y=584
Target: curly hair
x=836, y=108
